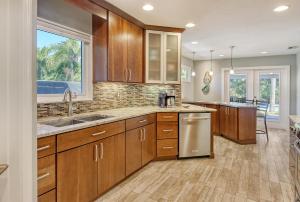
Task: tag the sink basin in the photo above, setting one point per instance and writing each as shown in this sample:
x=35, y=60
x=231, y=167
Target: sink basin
x=93, y=117
x=62, y=123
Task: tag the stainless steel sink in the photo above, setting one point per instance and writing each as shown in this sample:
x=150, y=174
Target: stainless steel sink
x=62, y=123
x=93, y=117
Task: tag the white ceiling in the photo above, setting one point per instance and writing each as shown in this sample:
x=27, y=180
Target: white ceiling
x=250, y=25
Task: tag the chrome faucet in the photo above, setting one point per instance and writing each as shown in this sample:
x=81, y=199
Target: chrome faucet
x=69, y=93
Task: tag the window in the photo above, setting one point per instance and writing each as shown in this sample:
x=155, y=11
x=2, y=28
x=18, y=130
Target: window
x=63, y=61
x=237, y=87
x=186, y=74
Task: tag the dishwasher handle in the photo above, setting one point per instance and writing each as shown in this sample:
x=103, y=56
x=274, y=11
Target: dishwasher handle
x=196, y=118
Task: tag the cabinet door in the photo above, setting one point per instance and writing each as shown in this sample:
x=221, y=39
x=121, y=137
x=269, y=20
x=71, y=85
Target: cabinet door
x=117, y=48
x=133, y=150
x=148, y=143
x=215, y=119
x=111, y=167
x=233, y=123
x=154, y=60
x=172, y=58
x=223, y=120
x=135, y=53
x=77, y=174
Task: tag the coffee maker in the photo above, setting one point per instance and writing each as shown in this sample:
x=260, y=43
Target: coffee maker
x=167, y=98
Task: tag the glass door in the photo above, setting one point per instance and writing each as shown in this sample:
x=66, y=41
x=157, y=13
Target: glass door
x=269, y=90
x=154, y=60
x=172, y=58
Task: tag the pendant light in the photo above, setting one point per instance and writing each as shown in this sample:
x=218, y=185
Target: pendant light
x=211, y=66
x=193, y=73
x=231, y=70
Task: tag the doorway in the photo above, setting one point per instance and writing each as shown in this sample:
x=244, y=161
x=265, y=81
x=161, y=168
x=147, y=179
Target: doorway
x=262, y=83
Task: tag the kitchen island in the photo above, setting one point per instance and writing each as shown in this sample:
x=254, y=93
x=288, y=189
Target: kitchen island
x=234, y=121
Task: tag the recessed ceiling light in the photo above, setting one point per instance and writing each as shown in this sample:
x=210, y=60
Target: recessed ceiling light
x=281, y=8
x=190, y=25
x=148, y=7
x=194, y=42
x=264, y=52
x=221, y=55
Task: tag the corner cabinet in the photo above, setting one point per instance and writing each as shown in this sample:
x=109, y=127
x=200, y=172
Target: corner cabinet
x=163, y=54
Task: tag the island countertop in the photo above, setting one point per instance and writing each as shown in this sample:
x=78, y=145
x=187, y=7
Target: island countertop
x=116, y=115
x=228, y=104
x=295, y=119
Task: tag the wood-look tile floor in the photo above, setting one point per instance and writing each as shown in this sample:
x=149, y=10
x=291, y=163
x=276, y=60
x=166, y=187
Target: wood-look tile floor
x=237, y=173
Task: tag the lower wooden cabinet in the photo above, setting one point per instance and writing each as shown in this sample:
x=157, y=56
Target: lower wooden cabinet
x=46, y=174
x=48, y=197
x=140, y=147
x=111, y=166
x=167, y=147
x=229, y=122
x=77, y=171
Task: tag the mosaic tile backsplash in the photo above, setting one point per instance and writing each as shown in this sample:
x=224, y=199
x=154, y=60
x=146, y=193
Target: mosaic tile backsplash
x=109, y=95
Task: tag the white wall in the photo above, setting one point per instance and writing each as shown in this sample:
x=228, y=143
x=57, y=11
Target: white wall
x=215, y=94
x=298, y=84
x=17, y=109
x=187, y=88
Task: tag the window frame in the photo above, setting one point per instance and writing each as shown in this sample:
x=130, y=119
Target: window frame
x=189, y=73
x=87, y=60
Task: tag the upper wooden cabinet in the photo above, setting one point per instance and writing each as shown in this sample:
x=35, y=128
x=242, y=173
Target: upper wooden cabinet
x=134, y=53
x=117, y=48
x=122, y=48
x=163, y=52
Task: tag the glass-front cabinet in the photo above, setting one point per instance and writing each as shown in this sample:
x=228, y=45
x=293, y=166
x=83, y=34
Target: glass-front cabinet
x=163, y=57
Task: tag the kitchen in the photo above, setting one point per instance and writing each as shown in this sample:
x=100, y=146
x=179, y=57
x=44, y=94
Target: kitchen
x=137, y=111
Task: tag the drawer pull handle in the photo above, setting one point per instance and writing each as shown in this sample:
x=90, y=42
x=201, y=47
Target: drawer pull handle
x=142, y=121
x=168, y=130
x=100, y=133
x=96, y=153
x=102, y=150
x=43, y=176
x=43, y=148
x=168, y=147
x=168, y=117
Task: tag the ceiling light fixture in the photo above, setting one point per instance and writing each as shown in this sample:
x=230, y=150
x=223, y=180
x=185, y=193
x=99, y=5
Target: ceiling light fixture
x=194, y=42
x=193, y=73
x=211, y=65
x=190, y=25
x=221, y=55
x=231, y=69
x=264, y=52
x=281, y=8
x=148, y=7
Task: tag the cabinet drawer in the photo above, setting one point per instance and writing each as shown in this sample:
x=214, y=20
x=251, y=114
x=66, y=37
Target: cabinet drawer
x=48, y=197
x=46, y=146
x=80, y=137
x=167, y=147
x=167, y=116
x=46, y=179
x=167, y=130
x=140, y=121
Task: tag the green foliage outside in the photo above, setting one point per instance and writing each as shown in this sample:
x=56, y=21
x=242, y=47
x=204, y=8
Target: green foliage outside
x=238, y=88
x=60, y=61
x=265, y=90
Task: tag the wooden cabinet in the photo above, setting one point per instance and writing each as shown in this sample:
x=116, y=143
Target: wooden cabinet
x=46, y=174
x=111, y=166
x=167, y=147
x=163, y=50
x=117, y=48
x=140, y=147
x=133, y=150
x=148, y=143
x=46, y=146
x=48, y=197
x=77, y=174
x=229, y=122
x=134, y=53
x=125, y=50
x=215, y=118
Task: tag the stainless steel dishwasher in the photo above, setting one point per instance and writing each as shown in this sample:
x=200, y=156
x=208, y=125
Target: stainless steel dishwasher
x=194, y=134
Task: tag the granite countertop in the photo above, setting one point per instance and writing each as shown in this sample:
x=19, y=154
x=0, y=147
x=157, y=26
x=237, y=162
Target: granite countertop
x=117, y=115
x=229, y=104
x=295, y=119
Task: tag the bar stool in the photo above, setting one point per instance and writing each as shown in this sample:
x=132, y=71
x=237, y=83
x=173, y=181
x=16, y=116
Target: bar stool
x=262, y=110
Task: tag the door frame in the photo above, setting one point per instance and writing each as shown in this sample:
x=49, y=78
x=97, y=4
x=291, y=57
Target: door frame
x=283, y=124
